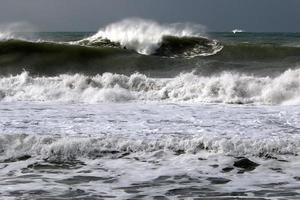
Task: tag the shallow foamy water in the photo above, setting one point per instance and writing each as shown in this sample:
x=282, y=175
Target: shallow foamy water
x=148, y=150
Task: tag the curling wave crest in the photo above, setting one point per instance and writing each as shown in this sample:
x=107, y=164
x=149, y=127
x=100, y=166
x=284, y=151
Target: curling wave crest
x=186, y=87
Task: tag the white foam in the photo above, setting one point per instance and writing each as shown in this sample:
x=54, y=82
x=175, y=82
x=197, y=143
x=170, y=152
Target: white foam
x=188, y=87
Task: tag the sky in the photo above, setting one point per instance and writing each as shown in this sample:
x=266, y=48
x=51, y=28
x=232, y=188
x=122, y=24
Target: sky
x=216, y=15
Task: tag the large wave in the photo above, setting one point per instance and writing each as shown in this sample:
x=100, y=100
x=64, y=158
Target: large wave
x=142, y=36
x=188, y=87
x=149, y=37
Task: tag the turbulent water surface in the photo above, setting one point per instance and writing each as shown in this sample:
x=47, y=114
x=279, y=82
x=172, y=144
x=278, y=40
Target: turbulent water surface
x=141, y=110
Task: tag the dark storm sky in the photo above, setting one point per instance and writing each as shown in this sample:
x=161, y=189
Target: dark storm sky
x=216, y=15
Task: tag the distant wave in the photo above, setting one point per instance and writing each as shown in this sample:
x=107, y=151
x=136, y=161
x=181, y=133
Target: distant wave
x=237, y=31
x=225, y=88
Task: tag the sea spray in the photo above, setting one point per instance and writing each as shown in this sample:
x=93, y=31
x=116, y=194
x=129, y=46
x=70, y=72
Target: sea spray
x=17, y=30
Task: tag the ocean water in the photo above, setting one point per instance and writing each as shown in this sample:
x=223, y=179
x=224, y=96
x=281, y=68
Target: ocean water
x=142, y=110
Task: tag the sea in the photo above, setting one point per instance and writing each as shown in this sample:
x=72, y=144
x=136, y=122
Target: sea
x=143, y=110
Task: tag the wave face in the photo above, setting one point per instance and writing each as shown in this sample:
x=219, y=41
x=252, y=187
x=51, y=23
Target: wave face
x=224, y=88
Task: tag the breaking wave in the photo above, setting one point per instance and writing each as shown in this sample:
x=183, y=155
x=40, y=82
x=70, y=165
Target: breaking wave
x=115, y=146
x=187, y=87
x=149, y=37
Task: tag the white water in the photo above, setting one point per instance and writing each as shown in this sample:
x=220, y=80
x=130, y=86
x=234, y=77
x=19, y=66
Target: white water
x=225, y=88
x=145, y=36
